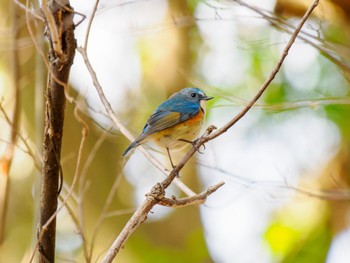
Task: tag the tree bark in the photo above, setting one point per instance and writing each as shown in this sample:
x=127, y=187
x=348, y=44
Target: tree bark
x=60, y=33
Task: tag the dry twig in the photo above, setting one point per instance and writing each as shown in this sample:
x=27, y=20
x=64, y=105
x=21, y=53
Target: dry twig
x=7, y=158
x=197, y=199
x=5, y=166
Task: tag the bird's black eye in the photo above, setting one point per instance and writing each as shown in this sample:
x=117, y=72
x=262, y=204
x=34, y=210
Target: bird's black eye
x=193, y=95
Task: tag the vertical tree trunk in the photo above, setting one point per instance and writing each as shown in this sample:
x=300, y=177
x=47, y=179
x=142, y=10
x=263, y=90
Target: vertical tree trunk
x=60, y=33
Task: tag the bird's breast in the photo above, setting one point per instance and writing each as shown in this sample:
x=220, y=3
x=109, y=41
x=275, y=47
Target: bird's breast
x=186, y=130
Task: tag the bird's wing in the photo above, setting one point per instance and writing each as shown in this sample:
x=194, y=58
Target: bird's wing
x=162, y=119
x=166, y=116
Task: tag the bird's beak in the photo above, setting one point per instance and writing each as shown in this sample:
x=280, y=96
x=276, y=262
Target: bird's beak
x=207, y=98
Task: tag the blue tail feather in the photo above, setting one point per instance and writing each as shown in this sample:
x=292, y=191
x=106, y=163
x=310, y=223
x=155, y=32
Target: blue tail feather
x=134, y=144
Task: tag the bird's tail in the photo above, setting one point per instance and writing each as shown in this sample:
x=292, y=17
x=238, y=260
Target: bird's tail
x=134, y=144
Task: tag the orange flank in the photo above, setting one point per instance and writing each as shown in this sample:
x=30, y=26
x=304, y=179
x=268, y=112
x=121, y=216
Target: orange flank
x=198, y=118
x=187, y=130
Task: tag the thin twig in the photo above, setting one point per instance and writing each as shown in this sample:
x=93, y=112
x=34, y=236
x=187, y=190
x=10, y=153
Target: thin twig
x=152, y=198
x=270, y=78
x=279, y=23
x=120, y=212
x=82, y=190
x=198, y=199
x=88, y=29
x=54, y=32
x=74, y=219
x=323, y=194
x=34, y=39
x=34, y=155
x=121, y=127
x=113, y=116
x=6, y=160
x=40, y=51
x=104, y=213
x=29, y=10
x=291, y=105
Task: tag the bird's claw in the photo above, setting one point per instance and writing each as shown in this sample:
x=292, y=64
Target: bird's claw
x=194, y=145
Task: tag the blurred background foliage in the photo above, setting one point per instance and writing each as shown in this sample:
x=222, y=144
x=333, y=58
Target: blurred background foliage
x=190, y=44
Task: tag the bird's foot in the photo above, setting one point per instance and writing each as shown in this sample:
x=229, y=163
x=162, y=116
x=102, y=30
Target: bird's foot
x=194, y=145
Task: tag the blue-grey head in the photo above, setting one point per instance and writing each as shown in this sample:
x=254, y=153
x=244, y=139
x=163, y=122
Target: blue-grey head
x=191, y=94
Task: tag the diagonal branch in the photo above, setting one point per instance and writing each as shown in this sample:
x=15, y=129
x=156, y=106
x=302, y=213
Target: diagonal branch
x=151, y=199
x=37, y=160
x=110, y=112
x=270, y=78
x=121, y=127
x=197, y=199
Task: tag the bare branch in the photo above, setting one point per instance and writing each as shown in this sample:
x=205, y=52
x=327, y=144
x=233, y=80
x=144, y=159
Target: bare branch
x=34, y=155
x=88, y=29
x=121, y=127
x=323, y=47
x=104, y=213
x=120, y=212
x=33, y=37
x=270, y=78
x=291, y=105
x=323, y=194
x=29, y=10
x=54, y=32
x=197, y=199
x=140, y=215
x=81, y=193
x=113, y=116
x=152, y=198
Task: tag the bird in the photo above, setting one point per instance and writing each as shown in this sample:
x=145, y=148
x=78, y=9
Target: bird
x=175, y=122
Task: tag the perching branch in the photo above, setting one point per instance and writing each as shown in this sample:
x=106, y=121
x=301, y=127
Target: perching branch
x=192, y=200
x=121, y=127
x=54, y=117
x=157, y=191
x=152, y=198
